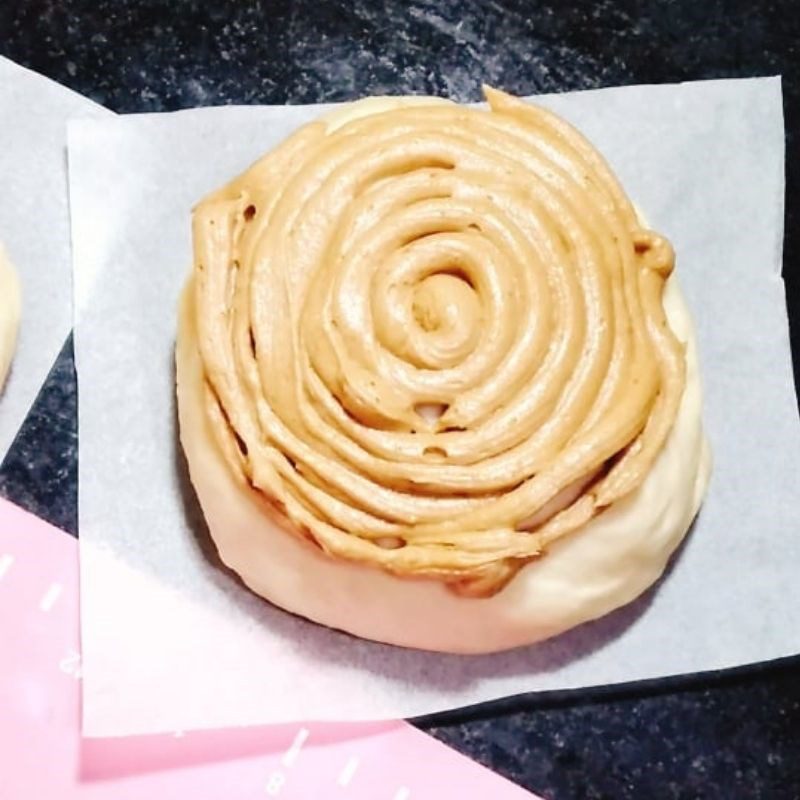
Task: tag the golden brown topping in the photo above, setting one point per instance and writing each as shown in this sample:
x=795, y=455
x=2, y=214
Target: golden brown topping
x=434, y=335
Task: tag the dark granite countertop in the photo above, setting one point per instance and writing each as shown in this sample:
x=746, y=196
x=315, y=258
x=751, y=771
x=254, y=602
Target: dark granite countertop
x=726, y=735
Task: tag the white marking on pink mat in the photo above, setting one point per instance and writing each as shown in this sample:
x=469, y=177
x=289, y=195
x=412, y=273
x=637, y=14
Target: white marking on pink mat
x=50, y=596
x=6, y=560
x=346, y=775
x=290, y=756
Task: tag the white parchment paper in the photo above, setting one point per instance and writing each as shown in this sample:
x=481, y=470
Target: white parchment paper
x=34, y=226
x=172, y=642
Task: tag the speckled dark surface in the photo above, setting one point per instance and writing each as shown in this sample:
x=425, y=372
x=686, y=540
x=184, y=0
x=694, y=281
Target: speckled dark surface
x=733, y=735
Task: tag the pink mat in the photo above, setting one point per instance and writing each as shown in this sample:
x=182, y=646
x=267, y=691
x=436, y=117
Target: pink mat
x=43, y=755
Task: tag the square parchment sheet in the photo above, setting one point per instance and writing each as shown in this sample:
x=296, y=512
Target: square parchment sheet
x=170, y=642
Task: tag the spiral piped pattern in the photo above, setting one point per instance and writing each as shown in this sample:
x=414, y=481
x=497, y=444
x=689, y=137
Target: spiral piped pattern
x=433, y=336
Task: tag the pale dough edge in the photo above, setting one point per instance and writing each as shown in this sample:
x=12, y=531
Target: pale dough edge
x=10, y=310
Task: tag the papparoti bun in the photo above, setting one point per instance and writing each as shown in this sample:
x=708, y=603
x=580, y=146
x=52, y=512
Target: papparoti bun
x=10, y=305
x=436, y=384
